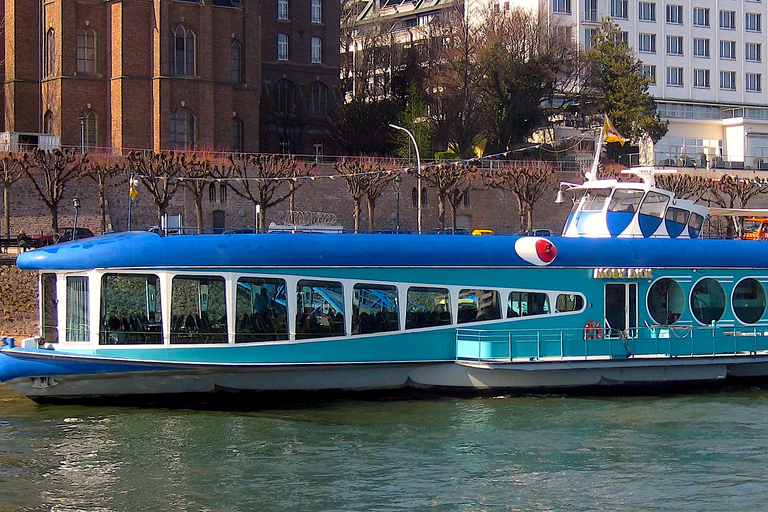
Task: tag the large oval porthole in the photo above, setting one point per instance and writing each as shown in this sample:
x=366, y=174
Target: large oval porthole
x=666, y=301
x=749, y=300
x=708, y=301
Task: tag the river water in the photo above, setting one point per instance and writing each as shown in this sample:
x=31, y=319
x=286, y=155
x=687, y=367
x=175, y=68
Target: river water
x=705, y=451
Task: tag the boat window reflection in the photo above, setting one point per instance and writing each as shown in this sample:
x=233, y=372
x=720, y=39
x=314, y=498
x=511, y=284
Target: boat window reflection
x=50, y=323
x=527, y=304
x=320, y=306
x=478, y=305
x=130, y=309
x=666, y=301
x=626, y=200
x=595, y=199
x=708, y=301
x=749, y=300
x=260, y=310
x=569, y=302
x=655, y=204
x=198, y=310
x=374, y=309
x=78, y=317
x=428, y=307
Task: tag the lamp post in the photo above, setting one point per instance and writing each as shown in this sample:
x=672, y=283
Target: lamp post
x=398, y=180
x=418, y=173
x=76, y=205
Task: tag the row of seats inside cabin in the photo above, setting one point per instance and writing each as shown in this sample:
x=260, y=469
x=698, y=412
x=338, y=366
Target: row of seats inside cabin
x=197, y=324
x=366, y=323
x=417, y=319
x=130, y=330
x=261, y=327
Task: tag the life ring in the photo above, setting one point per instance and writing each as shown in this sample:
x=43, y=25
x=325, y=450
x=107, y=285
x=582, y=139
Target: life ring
x=593, y=330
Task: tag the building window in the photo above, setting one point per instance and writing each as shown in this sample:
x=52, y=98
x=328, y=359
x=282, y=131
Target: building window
x=182, y=51
x=700, y=47
x=282, y=46
x=728, y=80
x=590, y=10
x=752, y=52
x=753, y=82
x=728, y=50
x=619, y=9
x=701, y=78
x=674, y=45
x=237, y=62
x=223, y=193
x=752, y=22
x=212, y=193
x=317, y=50
x=675, y=14
x=318, y=99
x=623, y=37
x=49, y=59
x=86, y=51
x=316, y=11
x=561, y=6
x=237, y=135
x=182, y=129
x=728, y=20
x=282, y=10
x=589, y=36
x=700, y=16
x=647, y=11
x=48, y=122
x=285, y=97
x=675, y=76
x=649, y=70
x=87, y=120
x=647, y=43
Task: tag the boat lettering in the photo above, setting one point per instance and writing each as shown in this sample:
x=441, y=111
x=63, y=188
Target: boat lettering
x=622, y=273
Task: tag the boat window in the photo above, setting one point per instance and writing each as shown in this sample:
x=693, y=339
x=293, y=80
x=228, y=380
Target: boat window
x=621, y=310
x=594, y=199
x=427, y=307
x=527, y=304
x=569, y=302
x=478, y=305
x=198, y=310
x=78, y=317
x=130, y=309
x=374, y=309
x=320, y=306
x=626, y=200
x=654, y=204
x=749, y=300
x=50, y=324
x=708, y=301
x=260, y=310
x=677, y=215
x=666, y=301
x=696, y=222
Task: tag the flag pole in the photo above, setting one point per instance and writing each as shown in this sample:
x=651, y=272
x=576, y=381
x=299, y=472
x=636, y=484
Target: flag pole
x=130, y=199
x=598, y=150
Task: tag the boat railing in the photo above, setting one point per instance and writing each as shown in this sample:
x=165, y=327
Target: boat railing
x=576, y=344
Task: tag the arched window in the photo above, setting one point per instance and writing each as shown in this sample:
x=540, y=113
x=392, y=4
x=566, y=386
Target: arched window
x=237, y=62
x=414, y=197
x=285, y=97
x=86, y=51
x=212, y=193
x=182, y=51
x=87, y=127
x=318, y=99
x=49, y=59
x=182, y=129
x=237, y=135
x=48, y=122
x=223, y=193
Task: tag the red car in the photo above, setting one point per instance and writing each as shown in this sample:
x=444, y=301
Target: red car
x=64, y=235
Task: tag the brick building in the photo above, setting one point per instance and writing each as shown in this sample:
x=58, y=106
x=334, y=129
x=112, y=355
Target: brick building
x=160, y=74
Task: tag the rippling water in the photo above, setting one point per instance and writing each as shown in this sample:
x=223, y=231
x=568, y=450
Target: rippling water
x=690, y=452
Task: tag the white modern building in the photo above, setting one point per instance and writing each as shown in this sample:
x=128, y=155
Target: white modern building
x=708, y=60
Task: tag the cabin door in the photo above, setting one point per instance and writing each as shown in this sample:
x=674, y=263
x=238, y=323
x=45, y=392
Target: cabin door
x=621, y=310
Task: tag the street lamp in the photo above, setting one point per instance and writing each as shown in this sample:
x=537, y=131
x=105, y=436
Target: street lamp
x=76, y=205
x=418, y=173
x=398, y=180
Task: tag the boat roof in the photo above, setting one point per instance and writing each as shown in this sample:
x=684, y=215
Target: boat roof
x=143, y=250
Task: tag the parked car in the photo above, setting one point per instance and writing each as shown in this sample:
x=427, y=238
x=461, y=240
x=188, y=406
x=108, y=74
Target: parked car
x=63, y=235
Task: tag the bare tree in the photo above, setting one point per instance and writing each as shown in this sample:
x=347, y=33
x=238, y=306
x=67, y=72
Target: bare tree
x=259, y=176
x=11, y=171
x=50, y=172
x=198, y=174
x=367, y=178
x=527, y=180
x=157, y=172
x=104, y=168
x=450, y=180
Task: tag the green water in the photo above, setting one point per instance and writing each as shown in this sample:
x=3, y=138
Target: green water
x=690, y=452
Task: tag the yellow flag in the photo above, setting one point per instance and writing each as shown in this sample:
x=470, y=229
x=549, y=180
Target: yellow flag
x=132, y=191
x=611, y=133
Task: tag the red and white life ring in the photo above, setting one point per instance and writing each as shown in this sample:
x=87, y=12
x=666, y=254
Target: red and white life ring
x=593, y=330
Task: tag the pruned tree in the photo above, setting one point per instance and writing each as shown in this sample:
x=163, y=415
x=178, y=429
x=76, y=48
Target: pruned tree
x=157, y=172
x=199, y=173
x=684, y=186
x=527, y=180
x=50, y=172
x=11, y=171
x=367, y=178
x=105, y=169
x=451, y=181
x=257, y=178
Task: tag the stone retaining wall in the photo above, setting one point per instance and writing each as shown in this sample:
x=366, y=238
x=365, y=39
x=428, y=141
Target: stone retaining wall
x=18, y=302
